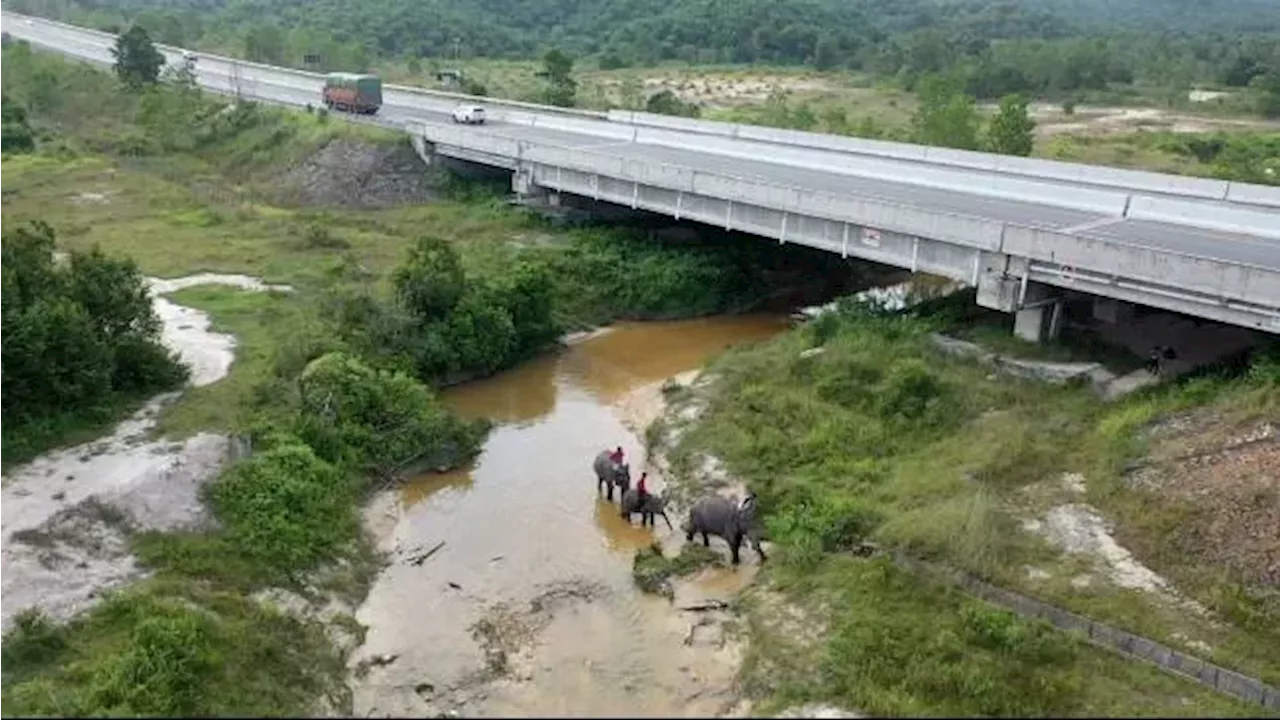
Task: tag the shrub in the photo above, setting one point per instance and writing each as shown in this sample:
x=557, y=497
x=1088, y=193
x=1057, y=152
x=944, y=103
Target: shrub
x=377, y=421
x=79, y=337
x=286, y=509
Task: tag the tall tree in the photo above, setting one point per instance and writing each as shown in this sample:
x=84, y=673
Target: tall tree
x=946, y=116
x=265, y=43
x=1266, y=88
x=138, y=62
x=1012, y=130
x=562, y=89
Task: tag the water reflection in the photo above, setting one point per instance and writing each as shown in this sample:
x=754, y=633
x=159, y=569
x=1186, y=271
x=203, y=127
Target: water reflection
x=619, y=535
x=419, y=488
x=517, y=396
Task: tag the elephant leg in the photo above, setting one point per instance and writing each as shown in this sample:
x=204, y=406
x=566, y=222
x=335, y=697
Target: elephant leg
x=706, y=540
x=734, y=545
x=688, y=536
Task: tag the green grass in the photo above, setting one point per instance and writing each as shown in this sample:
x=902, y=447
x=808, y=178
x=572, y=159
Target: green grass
x=893, y=644
x=168, y=649
x=880, y=437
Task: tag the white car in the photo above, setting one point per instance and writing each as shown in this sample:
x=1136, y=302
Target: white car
x=469, y=114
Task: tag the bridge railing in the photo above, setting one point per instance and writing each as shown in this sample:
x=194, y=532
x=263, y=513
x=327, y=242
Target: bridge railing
x=1030, y=168
x=968, y=230
x=827, y=150
x=1178, y=272
x=1202, y=188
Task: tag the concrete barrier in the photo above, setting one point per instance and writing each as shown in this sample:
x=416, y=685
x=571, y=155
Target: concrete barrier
x=1109, y=202
x=1264, y=195
x=1164, y=268
x=1120, y=178
x=1214, y=216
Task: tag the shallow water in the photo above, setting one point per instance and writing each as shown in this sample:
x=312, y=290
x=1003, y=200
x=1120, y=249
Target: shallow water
x=532, y=552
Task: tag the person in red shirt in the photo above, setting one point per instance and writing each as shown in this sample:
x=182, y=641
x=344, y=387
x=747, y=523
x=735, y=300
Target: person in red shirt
x=616, y=456
x=642, y=491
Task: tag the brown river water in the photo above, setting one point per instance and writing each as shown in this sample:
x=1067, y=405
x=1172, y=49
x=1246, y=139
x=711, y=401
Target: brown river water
x=529, y=607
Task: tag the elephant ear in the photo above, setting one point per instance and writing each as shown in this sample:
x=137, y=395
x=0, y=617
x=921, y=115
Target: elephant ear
x=748, y=502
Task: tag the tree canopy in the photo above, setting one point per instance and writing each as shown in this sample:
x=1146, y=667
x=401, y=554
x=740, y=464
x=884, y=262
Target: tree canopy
x=79, y=335
x=138, y=62
x=1004, y=47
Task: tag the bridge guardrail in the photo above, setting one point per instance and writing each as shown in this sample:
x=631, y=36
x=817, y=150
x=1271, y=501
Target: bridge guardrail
x=1108, y=202
x=1206, y=215
x=1227, y=280
x=1043, y=170
x=1230, y=281
x=1202, y=188
x=967, y=230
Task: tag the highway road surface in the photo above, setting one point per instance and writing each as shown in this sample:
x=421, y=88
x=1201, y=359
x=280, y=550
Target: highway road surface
x=283, y=87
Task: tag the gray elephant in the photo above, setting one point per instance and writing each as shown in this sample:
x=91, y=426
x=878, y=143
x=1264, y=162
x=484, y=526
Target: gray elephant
x=654, y=505
x=728, y=518
x=610, y=475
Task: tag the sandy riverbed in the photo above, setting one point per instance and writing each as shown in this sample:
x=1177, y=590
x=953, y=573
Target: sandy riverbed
x=63, y=513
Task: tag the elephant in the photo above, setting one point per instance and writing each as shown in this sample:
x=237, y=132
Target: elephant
x=654, y=505
x=728, y=518
x=610, y=475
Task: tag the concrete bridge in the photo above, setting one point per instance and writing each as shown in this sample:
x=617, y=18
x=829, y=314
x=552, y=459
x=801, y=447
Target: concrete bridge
x=1023, y=231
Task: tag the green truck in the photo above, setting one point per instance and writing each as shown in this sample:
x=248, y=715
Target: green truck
x=352, y=92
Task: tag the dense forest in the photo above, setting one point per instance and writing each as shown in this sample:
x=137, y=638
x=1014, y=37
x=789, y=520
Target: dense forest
x=1003, y=46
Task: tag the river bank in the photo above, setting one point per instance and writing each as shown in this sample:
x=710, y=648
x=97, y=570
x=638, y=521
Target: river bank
x=809, y=422
x=529, y=607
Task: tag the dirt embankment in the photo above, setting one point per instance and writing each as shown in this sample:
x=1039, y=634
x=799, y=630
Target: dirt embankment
x=1225, y=472
x=357, y=174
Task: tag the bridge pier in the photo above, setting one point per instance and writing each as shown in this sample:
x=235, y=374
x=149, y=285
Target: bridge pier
x=1039, y=315
x=523, y=185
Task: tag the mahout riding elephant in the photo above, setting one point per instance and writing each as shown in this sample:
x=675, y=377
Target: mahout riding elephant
x=610, y=475
x=654, y=505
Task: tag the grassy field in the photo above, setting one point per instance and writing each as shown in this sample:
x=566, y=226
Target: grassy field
x=858, y=429
x=863, y=634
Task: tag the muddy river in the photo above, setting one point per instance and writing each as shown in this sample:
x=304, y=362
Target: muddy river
x=528, y=608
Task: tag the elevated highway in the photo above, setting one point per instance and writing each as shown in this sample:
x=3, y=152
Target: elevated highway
x=1021, y=230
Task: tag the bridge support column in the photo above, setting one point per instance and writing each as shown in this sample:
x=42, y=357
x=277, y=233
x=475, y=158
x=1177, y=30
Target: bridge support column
x=1039, y=316
x=1112, y=311
x=522, y=184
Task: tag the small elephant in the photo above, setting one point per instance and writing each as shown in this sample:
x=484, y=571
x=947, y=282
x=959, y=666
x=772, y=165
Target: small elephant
x=654, y=505
x=610, y=475
x=728, y=518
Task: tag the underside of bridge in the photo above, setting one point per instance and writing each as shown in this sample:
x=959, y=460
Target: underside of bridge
x=1042, y=296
